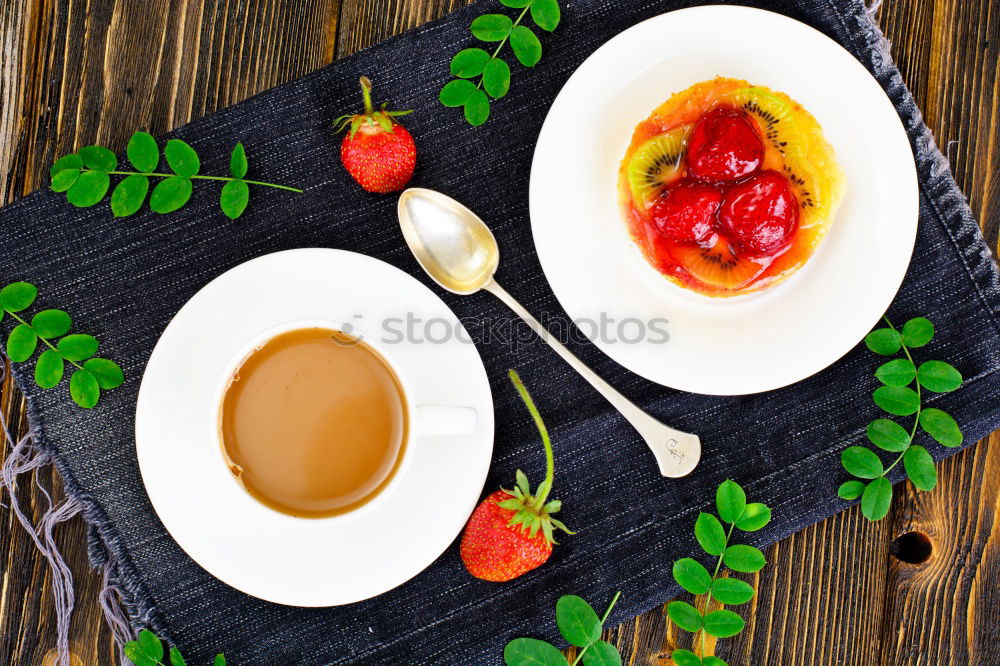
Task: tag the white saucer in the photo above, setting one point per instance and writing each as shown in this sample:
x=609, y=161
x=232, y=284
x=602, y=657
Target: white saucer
x=744, y=344
x=299, y=561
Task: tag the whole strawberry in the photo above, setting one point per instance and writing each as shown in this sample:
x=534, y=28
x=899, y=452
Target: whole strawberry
x=378, y=152
x=511, y=532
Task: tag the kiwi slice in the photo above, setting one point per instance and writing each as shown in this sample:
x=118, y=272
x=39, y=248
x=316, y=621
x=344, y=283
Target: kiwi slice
x=775, y=116
x=656, y=163
x=718, y=266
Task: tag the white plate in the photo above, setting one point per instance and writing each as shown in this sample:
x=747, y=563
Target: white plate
x=300, y=561
x=744, y=344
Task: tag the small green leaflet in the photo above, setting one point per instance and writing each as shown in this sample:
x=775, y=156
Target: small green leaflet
x=730, y=500
x=884, y=341
x=941, y=426
x=732, y=592
x=469, y=63
x=876, y=499
x=692, y=576
x=493, y=71
x=917, y=332
x=129, y=195
x=723, y=623
x=577, y=621
x=170, y=194
x=142, y=151
x=496, y=77
x=897, y=372
x=755, y=516
x=477, y=108
x=526, y=46
x=888, y=435
x=98, y=158
x=181, y=157
x=684, y=615
x=851, y=490
x=745, y=559
x=234, y=198
x=710, y=533
x=939, y=376
x=898, y=400
x=491, y=27
x=238, y=162
x=919, y=467
x=861, y=462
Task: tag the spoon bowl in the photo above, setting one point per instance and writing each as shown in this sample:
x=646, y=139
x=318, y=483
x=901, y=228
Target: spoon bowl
x=451, y=243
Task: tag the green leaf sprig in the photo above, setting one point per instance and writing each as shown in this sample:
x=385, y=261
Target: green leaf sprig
x=714, y=538
x=898, y=397
x=481, y=74
x=51, y=328
x=85, y=177
x=579, y=625
x=147, y=650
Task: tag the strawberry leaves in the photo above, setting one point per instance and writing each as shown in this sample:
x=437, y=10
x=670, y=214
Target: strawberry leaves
x=85, y=178
x=694, y=577
x=580, y=626
x=48, y=330
x=901, y=394
x=491, y=70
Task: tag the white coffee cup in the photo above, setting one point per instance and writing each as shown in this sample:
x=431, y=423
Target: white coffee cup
x=422, y=420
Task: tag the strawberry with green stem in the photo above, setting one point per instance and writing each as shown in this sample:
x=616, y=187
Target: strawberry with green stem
x=511, y=532
x=378, y=152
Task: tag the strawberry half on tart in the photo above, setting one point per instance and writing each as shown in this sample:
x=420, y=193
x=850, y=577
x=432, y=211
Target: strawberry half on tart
x=728, y=188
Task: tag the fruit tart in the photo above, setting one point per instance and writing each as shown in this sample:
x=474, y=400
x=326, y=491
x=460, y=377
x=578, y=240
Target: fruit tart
x=728, y=188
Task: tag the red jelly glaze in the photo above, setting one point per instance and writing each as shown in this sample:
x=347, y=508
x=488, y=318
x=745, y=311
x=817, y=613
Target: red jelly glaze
x=760, y=214
x=686, y=209
x=724, y=146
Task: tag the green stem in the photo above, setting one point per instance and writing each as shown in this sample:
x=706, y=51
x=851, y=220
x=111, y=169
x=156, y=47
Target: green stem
x=43, y=339
x=170, y=175
x=715, y=575
x=604, y=617
x=550, y=465
x=916, y=418
x=366, y=93
x=504, y=40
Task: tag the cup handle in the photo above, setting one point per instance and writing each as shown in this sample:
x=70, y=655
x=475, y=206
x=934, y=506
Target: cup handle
x=446, y=420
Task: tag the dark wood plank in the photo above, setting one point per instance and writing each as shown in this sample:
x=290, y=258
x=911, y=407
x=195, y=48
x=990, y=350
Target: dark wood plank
x=367, y=22
x=78, y=72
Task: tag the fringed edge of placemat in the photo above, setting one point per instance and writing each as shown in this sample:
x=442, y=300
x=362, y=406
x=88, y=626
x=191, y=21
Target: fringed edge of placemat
x=24, y=457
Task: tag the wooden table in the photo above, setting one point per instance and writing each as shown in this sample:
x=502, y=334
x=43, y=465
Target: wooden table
x=91, y=71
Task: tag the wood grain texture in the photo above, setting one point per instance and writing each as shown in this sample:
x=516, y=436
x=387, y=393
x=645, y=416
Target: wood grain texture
x=83, y=71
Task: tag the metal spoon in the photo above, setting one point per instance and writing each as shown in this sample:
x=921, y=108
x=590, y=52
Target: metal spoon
x=458, y=251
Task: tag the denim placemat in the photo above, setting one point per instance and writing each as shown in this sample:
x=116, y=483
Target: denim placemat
x=124, y=279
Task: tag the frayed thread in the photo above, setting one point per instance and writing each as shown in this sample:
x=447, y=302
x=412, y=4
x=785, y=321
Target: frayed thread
x=25, y=456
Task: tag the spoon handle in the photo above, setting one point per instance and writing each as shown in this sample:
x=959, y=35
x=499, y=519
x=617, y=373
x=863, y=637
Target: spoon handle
x=676, y=452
